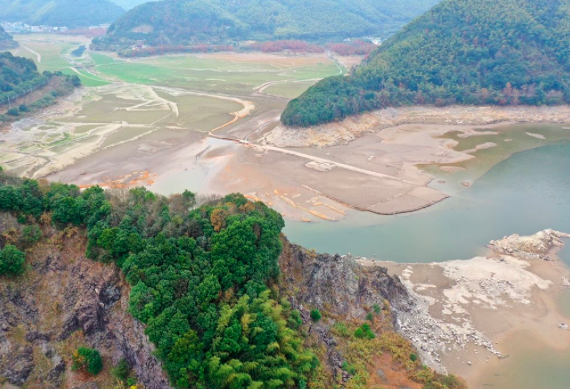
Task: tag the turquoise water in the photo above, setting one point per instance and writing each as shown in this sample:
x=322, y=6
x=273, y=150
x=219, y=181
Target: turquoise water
x=524, y=194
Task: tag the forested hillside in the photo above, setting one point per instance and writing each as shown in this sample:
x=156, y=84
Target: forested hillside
x=182, y=22
x=6, y=40
x=69, y=13
x=205, y=280
x=200, y=279
x=503, y=52
x=19, y=77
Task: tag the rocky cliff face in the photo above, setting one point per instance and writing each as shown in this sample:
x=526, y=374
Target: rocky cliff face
x=66, y=300
x=343, y=289
x=340, y=285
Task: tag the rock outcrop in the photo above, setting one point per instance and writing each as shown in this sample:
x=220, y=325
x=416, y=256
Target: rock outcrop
x=342, y=288
x=340, y=285
x=65, y=300
x=536, y=246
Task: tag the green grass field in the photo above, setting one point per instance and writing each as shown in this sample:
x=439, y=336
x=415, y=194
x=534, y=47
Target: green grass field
x=289, y=90
x=216, y=74
x=50, y=53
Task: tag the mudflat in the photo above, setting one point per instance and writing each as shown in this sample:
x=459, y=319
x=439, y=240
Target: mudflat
x=382, y=172
x=211, y=123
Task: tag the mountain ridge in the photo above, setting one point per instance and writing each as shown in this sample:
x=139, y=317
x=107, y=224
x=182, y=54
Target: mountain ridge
x=182, y=22
x=69, y=13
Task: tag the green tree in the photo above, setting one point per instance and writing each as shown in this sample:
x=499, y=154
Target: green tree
x=12, y=261
x=13, y=112
x=87, y=360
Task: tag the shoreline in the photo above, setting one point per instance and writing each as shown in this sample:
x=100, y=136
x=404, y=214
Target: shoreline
x=468, y=311
x=377, y=166
x=469, y=117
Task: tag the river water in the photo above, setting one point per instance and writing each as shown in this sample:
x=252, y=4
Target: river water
x=526, y=193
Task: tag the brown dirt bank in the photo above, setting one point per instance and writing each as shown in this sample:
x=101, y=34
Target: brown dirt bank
x=356, y=126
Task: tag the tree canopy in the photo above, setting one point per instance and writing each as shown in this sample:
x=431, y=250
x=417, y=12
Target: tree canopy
x=6, y=40
x=19, y=77
x=201, y=278
x=503, y=52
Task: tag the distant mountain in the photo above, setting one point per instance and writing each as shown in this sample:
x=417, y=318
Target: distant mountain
x=129, y=4
x=70, y=13
x=503, y=52
x=182, y=22
x=6, y=40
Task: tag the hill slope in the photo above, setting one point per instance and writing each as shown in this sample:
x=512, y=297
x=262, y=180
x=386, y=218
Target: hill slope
x=6, y=40
x=462, y=51
x=203, y=280
x=23, y=89
x=180, y=22
x=70, y=13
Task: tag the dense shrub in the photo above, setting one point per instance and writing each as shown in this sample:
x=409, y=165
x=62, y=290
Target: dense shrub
x=316, y=315
x=121, y=371
x=31, y=234
x=364, y=332
x=87, y=360
x=12, y=261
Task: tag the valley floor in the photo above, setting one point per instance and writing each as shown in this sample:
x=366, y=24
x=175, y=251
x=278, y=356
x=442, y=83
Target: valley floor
x=211, y=124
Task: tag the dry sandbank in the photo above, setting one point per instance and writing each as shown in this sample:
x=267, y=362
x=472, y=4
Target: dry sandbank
x=466, y=309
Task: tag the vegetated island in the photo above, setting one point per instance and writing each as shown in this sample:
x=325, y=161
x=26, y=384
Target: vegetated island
x=472, y=52
x=60, y=13
x=24, y=90
x=178, y=24
x=224, y=298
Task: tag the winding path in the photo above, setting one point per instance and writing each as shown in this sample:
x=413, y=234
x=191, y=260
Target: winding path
x=38, y=55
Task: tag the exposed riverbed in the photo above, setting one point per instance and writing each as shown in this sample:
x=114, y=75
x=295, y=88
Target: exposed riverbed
x=527, y=192
x=522, y=193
